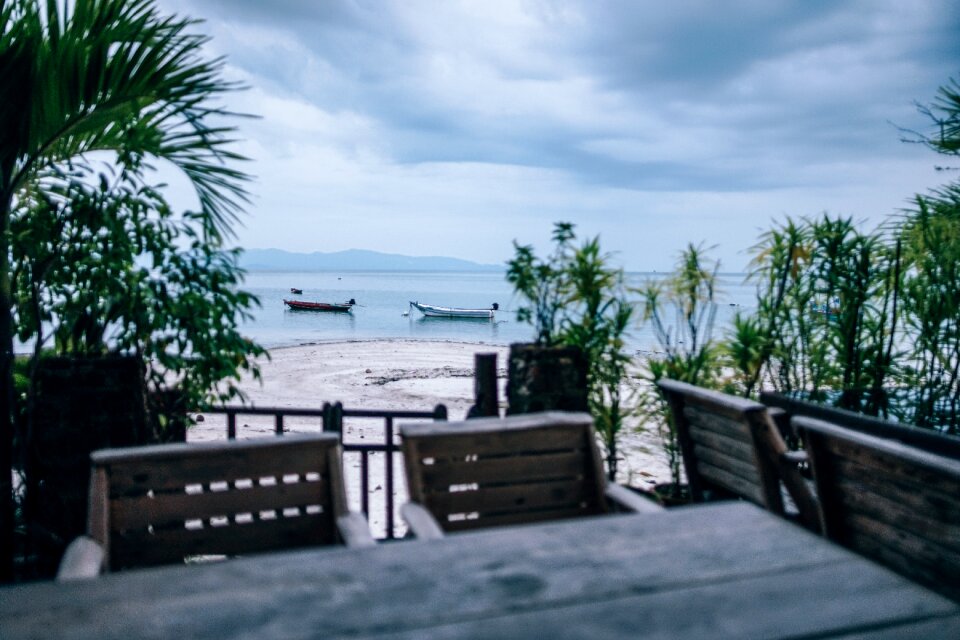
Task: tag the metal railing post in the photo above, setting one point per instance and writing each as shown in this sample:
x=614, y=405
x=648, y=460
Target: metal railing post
x=389, y=473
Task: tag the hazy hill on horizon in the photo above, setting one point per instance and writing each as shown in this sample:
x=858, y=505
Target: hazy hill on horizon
x=354, y=260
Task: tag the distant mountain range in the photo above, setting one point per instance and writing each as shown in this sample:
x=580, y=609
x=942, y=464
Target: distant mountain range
x=354, y=260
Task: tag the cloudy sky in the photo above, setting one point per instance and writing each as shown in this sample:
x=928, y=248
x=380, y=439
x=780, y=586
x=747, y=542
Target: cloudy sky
x=453, y=127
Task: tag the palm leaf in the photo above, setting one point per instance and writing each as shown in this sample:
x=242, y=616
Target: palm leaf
x=115, y=75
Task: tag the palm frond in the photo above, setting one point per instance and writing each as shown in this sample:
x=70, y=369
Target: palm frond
x=117, y=75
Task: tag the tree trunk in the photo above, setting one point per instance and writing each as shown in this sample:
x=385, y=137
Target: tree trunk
x=6, y=399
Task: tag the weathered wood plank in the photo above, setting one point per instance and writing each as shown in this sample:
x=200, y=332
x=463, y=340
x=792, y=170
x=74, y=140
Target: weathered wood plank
x=626, y=500
x=503, y=443
x=724, y=479
x=714, y=402
x=804, y=606
x=480, y=426
x=864, y=480
x=236, y=497
x=538, y=463
x=446, y=472
x=734, y=465
x=136, y=476
x=927, y=439
x=940, y=576
x=749, y=573
x=917, y=549
x=512, y=498
x=718, y=442
x=421, y=522
x=910, y=514
x=354, y=531
x=897, y=470
x=163, y=508
x=525, y=517
x=145, y=548
x=700, y=419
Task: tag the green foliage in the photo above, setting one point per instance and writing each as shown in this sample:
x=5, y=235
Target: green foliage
x=825, y=316
x=931, y=308
x=858, y=314
x=118, y=76
x=99, y=261
x=597, y=319
x=105, y=265
x=543, y=283
x=944, y=114
x=681, y=311
x=577, y=299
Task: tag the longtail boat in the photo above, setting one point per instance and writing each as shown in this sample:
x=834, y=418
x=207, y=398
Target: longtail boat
x=295, y=291
x=433, y=311
x=301, y=305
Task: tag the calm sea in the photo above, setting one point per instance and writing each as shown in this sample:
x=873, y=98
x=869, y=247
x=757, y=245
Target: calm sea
x=383, y=307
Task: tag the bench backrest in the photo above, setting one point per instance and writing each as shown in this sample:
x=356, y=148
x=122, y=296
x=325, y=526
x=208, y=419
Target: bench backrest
x=897, y=504
x=908, y=434
x=497, y=471
x=161, y=504
x=730, y=445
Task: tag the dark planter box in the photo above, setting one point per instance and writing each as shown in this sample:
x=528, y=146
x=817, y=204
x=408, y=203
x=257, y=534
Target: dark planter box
x=82, y=404
x=546, y=379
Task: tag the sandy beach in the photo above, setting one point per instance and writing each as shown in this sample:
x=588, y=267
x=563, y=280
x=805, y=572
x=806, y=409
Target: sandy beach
x=390, y=374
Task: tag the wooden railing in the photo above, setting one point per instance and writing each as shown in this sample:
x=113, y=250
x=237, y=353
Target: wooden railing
x=332, y=417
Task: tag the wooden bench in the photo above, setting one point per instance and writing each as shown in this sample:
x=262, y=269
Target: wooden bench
x=501, y=471
x=925, y=439
x=896, y=504
x=731, y=447
x=161, y=504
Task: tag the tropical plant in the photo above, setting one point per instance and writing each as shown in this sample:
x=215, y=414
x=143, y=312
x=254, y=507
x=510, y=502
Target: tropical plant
x=107, y=266
x=597, y=319
x=930, y=233
x=111, y=76
x=577, y=299
x=825, y=315
x=681, y=310
x=944, y=113
x=931, y=308
x=542, y=283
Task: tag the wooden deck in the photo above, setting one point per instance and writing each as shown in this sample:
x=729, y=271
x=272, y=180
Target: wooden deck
x=727, y=570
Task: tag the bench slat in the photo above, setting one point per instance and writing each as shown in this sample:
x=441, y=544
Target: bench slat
x=162, y=509
x=144, y=548
x=133, y=477
x=549, y=439
x=516, y=498
x=505, y=470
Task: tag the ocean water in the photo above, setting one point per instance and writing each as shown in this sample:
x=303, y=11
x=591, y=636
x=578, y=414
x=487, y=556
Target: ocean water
x=383, y=309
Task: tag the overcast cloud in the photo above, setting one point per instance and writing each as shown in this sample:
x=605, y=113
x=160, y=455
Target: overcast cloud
x=454, y=127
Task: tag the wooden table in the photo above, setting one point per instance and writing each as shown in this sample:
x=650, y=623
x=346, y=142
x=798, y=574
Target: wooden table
x=714, y=571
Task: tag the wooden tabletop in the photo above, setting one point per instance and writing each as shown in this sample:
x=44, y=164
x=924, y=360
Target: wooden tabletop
x=717, y=571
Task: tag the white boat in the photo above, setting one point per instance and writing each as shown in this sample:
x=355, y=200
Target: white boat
x=432, y=311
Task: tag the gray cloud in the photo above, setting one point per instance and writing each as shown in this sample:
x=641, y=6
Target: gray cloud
x=613, y=102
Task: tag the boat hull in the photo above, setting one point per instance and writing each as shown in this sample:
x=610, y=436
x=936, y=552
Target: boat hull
x=300, y=305
x=432, y=311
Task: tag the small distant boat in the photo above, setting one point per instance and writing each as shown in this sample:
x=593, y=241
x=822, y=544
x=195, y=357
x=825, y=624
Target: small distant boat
x=831, y=310
x=301, y=305
x=296, y=291
x=433, y=311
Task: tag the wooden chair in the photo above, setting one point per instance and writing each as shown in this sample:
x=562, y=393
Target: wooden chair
x=731, y=447
x=925, y=439
x=502, y=471
x=161, y=504
x=895, y=503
